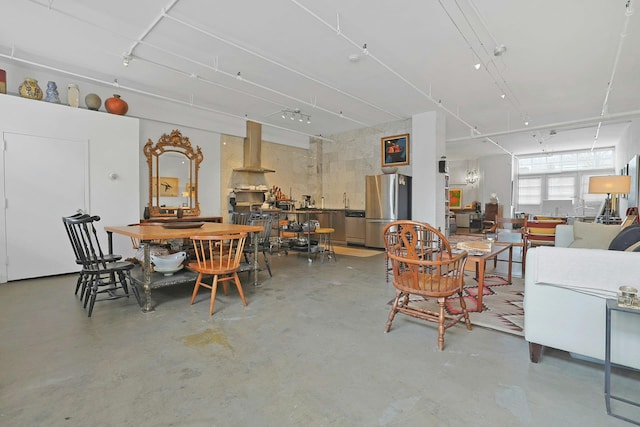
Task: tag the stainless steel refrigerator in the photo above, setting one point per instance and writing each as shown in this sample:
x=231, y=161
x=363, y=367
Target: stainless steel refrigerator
x=387, y=199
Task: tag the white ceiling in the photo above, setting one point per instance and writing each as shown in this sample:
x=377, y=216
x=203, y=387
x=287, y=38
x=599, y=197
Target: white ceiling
x=295, y=54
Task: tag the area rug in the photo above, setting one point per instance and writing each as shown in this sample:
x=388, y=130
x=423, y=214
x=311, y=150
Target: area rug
x=357, y=252
x=502, y=304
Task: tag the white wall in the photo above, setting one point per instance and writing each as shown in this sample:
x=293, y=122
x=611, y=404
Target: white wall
x=496, y=177
x=113, y=149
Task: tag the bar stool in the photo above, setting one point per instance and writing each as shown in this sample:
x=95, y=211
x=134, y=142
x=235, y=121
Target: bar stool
x=325, y=243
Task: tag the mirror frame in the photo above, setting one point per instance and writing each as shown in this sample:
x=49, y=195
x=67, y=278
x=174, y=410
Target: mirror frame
x=173, y=143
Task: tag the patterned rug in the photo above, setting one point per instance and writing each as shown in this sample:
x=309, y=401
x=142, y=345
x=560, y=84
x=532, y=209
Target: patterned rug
x=502, y=304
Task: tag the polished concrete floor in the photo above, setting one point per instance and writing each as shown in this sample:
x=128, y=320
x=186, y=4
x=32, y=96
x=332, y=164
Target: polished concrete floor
x=309, y=350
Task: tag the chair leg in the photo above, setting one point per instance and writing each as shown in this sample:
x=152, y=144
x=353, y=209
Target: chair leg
x=441, y=323
x=392, y=313
x=266, y=262
x=239, y=286
x=214, y=287
x=463, y=305
x=92, y=294
x=196, y=287
x=134, y=288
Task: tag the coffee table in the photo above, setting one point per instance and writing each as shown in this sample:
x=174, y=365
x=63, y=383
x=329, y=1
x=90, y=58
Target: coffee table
x=480, y=261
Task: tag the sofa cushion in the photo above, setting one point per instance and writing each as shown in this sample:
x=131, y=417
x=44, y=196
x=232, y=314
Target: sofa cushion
x=628, y=239
x=591, y=235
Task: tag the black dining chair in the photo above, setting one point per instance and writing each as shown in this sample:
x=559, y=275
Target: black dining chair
x=264, y=240
x=101, y=273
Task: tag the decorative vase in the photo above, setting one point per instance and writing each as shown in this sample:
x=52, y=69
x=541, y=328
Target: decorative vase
x=146, y=214
x=93, y=101
x=73, y=95
x=3, y=81
x=52, y=93
x=116, y=105
x=29, y=89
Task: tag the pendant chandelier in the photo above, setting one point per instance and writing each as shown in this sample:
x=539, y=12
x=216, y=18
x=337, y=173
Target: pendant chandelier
x=472, y=176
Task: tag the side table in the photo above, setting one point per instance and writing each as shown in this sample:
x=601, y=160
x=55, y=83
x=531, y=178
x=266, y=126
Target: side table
x=612, y=305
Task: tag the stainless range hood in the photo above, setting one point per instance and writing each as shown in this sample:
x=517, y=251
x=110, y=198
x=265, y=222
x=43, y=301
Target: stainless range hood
x=252, y=150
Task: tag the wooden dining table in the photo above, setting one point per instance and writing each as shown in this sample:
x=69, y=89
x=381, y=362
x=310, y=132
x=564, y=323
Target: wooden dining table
x=146, y=233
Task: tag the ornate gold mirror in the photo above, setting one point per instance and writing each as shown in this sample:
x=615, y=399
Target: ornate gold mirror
x=173, y=175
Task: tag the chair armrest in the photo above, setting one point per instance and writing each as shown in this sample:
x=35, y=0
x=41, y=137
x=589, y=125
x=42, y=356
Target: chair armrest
x=564, y=235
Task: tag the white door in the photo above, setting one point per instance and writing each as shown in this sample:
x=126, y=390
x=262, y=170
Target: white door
x=45, y=179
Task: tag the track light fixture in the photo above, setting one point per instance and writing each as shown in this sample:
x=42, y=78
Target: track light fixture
x=126, y=59
x=477, y=66
x=296, y=114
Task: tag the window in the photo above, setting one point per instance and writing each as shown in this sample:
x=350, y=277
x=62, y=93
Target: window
x=562, y=176
x=529, y=191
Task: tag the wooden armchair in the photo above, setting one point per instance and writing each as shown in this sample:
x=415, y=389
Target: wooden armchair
x=423, y=264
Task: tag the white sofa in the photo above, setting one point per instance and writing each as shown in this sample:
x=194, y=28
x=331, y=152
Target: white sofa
x=565, y=297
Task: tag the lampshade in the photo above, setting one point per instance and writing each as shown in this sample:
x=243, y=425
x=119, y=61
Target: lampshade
x=612, y=184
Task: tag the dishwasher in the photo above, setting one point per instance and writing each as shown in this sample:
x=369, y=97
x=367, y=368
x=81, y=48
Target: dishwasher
x=355, y=227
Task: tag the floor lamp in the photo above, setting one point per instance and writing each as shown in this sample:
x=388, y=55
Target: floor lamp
x=611, y=184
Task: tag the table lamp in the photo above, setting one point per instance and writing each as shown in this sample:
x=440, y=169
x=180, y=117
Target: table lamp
x=610, y=184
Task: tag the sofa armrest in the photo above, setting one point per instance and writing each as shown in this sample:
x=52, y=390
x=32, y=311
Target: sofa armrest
x=564, y=235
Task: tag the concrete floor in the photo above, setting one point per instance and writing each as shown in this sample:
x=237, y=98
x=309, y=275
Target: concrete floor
x=309, y=350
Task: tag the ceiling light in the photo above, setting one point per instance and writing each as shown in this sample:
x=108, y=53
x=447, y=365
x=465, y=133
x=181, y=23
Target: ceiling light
x=296, y=114
x=341, y=115
x=526, y=122
x=499, y=50
x=477, y=66
x=503, y=96
x=364, y=49
x=472, y=176
x=126, y=59
x=239, y=76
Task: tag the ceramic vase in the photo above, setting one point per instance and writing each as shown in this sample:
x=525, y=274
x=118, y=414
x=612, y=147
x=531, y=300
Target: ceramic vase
x=29, y=89
x=116, y=105
x=93, y=101
x=73, y=95
x=3, y=81
x=52, y=93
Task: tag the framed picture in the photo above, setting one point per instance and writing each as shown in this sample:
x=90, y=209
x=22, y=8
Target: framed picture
x=455, y=198
x=168, y=186
x=395, y=150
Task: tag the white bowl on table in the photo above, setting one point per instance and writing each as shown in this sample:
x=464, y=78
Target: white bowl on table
x=171, y=262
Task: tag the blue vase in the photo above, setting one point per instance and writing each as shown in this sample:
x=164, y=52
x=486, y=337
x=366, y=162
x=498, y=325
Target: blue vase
x=52, y=93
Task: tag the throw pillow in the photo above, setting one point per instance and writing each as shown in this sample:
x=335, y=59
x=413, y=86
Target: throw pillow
x=627, y=240
x=589, y=235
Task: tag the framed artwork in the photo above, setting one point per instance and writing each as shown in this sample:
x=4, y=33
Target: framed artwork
x=168, y=186
x=455, y=198
x=395, y=150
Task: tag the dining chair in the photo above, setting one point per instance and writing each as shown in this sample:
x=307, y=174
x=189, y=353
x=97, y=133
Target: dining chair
x=424, y=265
x=82, y=277
x=511, y=230
x=263, y=239
x=220, y=257
x=101, y=273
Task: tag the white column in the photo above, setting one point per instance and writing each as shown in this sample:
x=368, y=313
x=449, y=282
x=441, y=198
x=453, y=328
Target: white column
x=427, y=148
